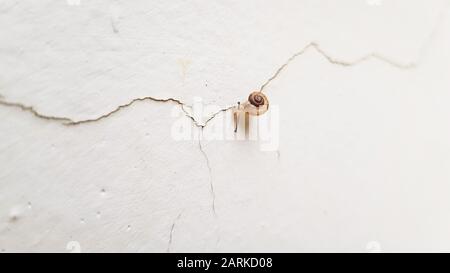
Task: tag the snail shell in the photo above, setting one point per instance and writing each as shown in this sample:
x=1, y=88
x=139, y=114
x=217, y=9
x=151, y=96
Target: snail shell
x=257, y=104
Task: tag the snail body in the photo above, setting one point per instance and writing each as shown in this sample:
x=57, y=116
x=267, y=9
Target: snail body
x=256, y=104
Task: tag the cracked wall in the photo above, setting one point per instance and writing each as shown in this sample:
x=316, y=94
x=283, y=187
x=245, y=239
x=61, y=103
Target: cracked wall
x=88, y=155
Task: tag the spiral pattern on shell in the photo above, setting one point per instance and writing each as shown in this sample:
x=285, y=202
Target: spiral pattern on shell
x=257, y=99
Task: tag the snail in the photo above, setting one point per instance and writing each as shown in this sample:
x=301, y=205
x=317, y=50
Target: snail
x=256, y=104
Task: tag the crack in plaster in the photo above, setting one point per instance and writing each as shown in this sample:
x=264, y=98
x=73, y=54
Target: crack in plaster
x=69, y=122
x=120, y=107
x=373, y=55
x=332, y=60
x=31, y=110
x=172, y=229
x=215, y=114
x=211, y=184
x=313, y=45
x=336, y=61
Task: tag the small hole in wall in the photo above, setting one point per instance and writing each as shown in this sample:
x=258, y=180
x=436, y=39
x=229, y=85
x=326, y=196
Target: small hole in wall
x=98, y=214
x=128, y=227
x=103, y=192
x=82, y=221
x=15, y=213
x=29, y=205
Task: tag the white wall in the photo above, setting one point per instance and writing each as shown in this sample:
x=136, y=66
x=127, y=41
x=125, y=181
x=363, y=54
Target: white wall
x=361, y=119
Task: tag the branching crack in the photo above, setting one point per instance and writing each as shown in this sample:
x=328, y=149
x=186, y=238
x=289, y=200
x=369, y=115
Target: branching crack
x=215, y=114
x=335, y=61
x=69, y=122
x=332, y=60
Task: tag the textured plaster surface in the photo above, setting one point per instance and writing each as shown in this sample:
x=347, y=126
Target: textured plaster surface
x=92, y=95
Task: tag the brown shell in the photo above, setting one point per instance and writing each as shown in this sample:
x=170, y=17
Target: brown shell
x=257, y=99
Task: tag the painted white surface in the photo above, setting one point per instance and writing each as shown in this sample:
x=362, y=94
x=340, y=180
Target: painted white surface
x=364, y=151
